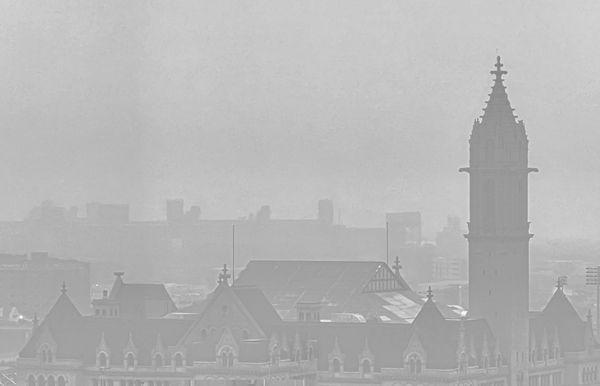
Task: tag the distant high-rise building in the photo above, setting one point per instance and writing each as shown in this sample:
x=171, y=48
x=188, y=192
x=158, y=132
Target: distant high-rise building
x=174, y=210
x=499, y=229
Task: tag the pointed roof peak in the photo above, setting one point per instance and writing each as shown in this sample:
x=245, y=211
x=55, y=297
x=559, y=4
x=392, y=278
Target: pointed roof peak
x=429, y=313
x=498, y=106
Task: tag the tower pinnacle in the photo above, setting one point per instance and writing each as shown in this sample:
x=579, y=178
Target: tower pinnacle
x=498, y=72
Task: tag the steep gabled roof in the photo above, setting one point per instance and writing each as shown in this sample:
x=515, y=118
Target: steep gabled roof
x=560, y=315
x=368, y=288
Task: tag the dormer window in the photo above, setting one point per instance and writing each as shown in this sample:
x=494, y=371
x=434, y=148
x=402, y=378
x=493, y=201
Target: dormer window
x=336, y=366
x=103, y=360
x=130, y=360
x=178, y=360
x=366, y=367
x=158, y=360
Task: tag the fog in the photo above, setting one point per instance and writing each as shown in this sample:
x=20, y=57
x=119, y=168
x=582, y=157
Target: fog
x=235, y=104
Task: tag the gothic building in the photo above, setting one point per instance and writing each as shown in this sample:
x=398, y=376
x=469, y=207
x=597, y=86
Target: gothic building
x=238, y=337
x=498, y=228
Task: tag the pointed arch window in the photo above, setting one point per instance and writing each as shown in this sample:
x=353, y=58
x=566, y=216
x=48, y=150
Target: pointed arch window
x=366, y=367
x=158, y=360
x=415, y=364
x=178, y=360
x=102, y=360
x=45, y=354
x=62, y=381
x=130, y=360
x=30, y=380
x=226, y=356
x=336, y=365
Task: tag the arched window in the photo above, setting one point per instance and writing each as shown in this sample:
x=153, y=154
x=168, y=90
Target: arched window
x=336, y=365
x=178, y=360
x=366, y=366
x=130, y=361
x=310, y=353
x=102, y=360
x=226, y=356
x=50, y=381
x=62, y=381
x=158, y=360
x=41, y=381
x=30, y=380
x=415, y=364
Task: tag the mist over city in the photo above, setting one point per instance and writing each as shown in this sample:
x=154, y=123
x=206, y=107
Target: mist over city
x=302, y=193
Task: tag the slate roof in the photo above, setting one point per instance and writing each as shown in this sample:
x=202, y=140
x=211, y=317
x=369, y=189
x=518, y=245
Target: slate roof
x=78, y=337
x=338, y=285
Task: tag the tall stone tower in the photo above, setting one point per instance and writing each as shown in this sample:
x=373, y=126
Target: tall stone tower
x=498, y=228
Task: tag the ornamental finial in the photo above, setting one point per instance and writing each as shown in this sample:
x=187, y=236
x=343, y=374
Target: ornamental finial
x=498, y=72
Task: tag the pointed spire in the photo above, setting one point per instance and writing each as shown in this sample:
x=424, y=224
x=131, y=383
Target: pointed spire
x=497, y=106
x=63, y=288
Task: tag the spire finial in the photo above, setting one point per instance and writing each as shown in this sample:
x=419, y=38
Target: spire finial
x=498, y=72
x=63, y=288
x=429, y=293
x=224, y=275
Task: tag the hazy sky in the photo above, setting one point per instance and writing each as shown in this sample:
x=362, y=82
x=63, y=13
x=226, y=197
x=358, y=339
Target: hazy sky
x=233, y=104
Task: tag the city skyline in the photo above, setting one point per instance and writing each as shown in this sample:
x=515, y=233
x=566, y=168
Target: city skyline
x=188, y=112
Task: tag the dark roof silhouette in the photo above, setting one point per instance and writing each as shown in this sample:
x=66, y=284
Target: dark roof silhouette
x=340, y=287
x=559, y=318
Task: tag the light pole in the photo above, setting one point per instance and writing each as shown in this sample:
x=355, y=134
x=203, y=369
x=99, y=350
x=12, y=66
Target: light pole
x=592, y=277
